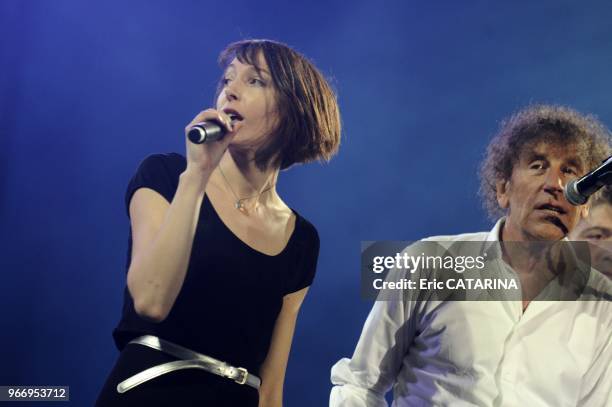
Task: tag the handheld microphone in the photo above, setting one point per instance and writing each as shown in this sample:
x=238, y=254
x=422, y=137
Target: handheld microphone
x=578, y=191
x=205, y=132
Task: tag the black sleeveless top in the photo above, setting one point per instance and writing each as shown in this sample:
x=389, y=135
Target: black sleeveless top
x=232, y=293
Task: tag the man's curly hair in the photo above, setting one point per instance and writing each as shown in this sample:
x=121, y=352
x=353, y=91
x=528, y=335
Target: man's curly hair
x=549, y=123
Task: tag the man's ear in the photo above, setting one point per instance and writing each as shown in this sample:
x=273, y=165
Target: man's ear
x=501, y=191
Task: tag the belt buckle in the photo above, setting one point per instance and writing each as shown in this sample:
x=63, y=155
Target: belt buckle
x=245, y=374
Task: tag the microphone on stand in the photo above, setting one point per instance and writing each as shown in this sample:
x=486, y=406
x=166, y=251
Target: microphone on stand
x=578, y=191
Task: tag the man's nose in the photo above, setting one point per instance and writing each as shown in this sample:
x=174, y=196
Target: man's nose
x=555, y=181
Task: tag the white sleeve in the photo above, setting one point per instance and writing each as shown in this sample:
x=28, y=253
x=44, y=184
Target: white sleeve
x=596, y=389
x=364, y=379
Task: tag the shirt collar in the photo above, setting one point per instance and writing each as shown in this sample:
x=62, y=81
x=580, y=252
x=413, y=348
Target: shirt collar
x=495, y=233
x=579, y=277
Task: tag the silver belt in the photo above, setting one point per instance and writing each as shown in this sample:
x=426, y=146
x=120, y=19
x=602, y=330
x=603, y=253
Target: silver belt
x=189, y=360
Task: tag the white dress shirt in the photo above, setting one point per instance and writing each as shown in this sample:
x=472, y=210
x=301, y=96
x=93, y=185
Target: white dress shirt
x=482, y=353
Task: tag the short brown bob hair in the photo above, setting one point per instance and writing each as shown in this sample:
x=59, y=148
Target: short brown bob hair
x=309, y=126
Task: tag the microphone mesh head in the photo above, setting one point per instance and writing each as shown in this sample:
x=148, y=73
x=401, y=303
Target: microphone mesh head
x=572, y=195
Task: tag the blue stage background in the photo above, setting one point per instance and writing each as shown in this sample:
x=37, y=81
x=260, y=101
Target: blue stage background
x=88, y=89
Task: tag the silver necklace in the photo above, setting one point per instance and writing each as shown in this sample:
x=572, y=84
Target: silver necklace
x=238, y=204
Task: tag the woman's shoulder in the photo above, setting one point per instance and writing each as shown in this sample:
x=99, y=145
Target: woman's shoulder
x=162, y=166
x=305, y=230
x=307, y=253
x=168, y=161
x=159, y=172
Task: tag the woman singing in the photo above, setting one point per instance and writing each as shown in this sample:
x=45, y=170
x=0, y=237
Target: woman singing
x=218, y=264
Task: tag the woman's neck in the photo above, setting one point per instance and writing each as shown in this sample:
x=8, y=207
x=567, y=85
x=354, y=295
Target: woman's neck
x=243, y=179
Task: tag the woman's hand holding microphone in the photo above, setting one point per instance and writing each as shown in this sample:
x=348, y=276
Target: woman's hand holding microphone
x=203, y=158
